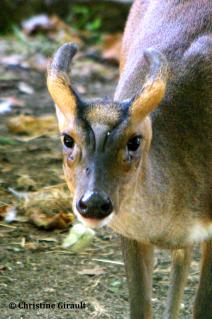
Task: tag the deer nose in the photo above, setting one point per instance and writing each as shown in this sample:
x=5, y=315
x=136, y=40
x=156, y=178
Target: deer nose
x=95, y=205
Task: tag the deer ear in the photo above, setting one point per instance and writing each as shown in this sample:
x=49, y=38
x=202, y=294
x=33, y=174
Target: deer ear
x=63, y=121
x=62, y=94
x=58, y=81
x=154, y=87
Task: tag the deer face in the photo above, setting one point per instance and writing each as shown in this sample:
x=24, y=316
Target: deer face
x=105, y=143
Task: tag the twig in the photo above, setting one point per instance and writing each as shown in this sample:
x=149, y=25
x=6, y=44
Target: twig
x=8, y=226
x=3, y=203
x=109, y=261
x=49, y=187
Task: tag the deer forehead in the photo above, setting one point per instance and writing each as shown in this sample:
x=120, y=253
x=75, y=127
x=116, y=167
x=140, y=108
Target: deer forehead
x=108, y=115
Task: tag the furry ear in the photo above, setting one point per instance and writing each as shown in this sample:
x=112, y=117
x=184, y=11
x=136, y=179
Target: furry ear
x=63, y=121
x=154, y=87
x=58, y=80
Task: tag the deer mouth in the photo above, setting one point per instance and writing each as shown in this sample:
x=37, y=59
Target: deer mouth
x=93, y=222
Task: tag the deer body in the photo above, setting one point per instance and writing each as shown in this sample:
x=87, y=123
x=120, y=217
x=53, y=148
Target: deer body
x=176, y=192
x=140, y=163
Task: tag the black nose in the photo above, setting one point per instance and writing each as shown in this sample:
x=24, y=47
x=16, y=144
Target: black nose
x=95, y=205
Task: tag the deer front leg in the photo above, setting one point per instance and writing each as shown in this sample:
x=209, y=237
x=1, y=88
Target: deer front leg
x=181, y=259
x=203, y=302
x=138, y=259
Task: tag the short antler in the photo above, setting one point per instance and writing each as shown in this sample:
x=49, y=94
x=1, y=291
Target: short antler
x=58, y=81
x=154, y=86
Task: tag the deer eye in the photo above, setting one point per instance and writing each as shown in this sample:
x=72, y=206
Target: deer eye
x=134, y=143
x=68, y=141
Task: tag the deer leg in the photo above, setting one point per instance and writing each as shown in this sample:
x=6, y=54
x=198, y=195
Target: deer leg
x=138, y=259
x=181, y=259
x=203, y=302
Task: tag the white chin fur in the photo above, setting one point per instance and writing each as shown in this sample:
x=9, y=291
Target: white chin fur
x=93, y=223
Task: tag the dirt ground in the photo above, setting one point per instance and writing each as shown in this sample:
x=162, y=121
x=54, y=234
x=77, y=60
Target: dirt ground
x=42, y=271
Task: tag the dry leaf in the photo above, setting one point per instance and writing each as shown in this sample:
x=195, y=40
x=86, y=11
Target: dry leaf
x=22, y=219
x=14, y=101
x=92, y=271
x=6, y=104
x=37, y=23
x=25, y=88
x=111, y=47
x=7, y=168
x=58, y=221
x=31, y=125
x=51, y=200
x=8, y=213
x=25, y=180
x=3, y=211
x=81, y=89
x=31, y=246
x=48, y=289
x=13, y=59
x=47, y=208
x=2, y=268
x=37, y=62
x=62, y=32
x=56, y=28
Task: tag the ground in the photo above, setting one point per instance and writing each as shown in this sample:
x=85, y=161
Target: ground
x=34, y=268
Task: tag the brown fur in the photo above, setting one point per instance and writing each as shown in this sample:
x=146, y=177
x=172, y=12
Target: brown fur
x=175, y=28
x=161, y=193
x=58, y=86
x=103, y=114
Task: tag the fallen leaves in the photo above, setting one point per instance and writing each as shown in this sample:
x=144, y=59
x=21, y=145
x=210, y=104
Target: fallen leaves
x=25, y=88
x=32, y=125
x=58, y=221
x=3, y=268
x=6, y=104
x=37, y=62
x=30, y=245
x=13, y=59
x=35, y=42
x=26, y=180
x=111, y=47
x=62, y=32
x=47, y=208
x=96, y=271
x=53, y=27
x=37, y=23
x=7, y=213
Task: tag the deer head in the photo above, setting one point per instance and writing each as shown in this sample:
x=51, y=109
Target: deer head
x=105, y=143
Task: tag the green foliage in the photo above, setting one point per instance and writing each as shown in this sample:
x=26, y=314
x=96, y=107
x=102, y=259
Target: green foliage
x=37, y=44
x=5, y=140
x=85, y=18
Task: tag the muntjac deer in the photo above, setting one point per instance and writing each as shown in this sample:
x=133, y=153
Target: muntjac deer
x=140, y=163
